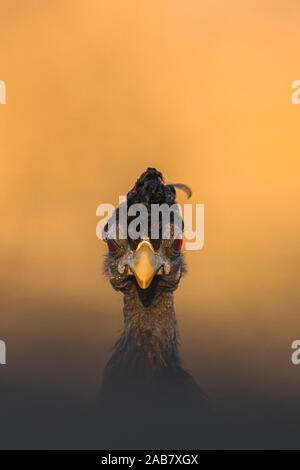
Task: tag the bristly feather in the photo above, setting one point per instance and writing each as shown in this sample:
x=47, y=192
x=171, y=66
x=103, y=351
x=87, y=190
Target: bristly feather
x=183, y=188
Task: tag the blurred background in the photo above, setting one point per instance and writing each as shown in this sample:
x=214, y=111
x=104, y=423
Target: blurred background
x=97, y=92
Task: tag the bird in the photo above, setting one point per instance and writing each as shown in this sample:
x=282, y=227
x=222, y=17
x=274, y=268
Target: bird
x=148, y=399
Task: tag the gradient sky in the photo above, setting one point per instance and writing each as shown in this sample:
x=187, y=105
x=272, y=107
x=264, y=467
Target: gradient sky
x=97, y=92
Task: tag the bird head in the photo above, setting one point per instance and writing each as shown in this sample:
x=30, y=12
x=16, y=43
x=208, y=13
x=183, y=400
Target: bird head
x=149, y=264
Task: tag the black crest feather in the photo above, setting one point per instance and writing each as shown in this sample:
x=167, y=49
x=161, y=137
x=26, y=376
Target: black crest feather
x=150, y=189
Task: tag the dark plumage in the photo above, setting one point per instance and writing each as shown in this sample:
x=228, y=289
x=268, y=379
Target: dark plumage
x=150, y=189
x=148, y=399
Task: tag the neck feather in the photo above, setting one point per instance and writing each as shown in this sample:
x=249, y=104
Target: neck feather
x=148, y=343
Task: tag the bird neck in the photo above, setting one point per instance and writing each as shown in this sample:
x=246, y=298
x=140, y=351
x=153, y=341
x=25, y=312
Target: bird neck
x=148, y=342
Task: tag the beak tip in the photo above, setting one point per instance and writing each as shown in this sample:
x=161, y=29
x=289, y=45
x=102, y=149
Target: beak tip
x=144, y=265
x=144, y=284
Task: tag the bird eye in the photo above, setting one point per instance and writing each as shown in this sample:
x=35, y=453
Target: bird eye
x=112, y=245
x=177, y=244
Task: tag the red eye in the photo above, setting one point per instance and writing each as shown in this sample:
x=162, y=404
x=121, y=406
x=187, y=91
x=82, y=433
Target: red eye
x=177, y=244
x=112, y=246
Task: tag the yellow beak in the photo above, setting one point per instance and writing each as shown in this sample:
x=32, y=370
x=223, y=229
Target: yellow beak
x=145, y=264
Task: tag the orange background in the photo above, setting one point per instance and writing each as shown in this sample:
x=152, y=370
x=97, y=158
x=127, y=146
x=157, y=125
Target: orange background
x=96, y=92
